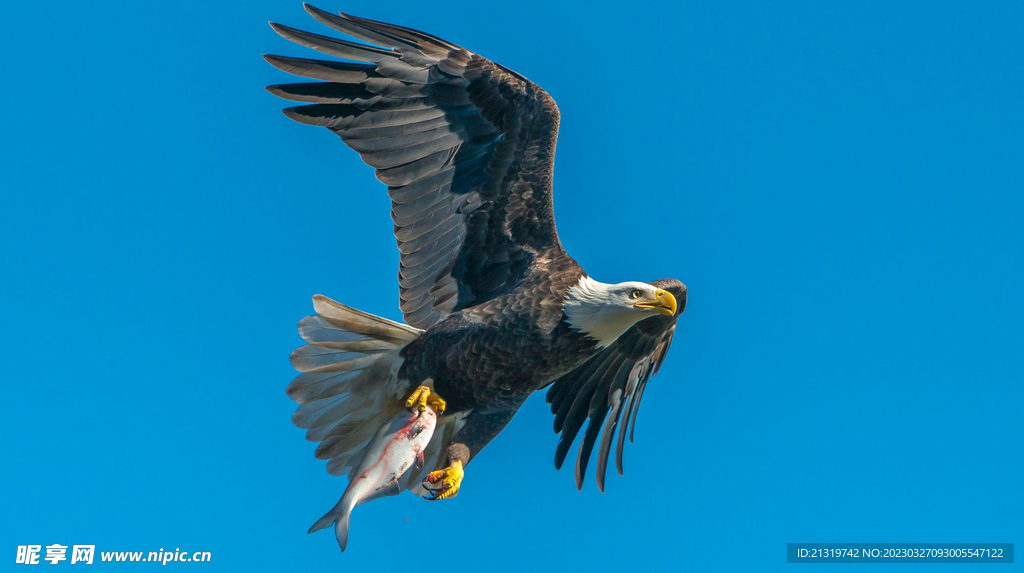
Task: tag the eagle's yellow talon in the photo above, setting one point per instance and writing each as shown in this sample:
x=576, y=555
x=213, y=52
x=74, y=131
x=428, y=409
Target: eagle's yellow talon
x=443, y=484
x=422, y=397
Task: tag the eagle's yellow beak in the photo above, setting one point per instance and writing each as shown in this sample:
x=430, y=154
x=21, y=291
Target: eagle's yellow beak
x=664, y=304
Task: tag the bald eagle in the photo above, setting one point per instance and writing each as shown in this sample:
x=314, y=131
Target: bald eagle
x=495, y=309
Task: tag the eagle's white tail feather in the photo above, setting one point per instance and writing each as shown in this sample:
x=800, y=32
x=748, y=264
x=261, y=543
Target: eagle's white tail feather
x=326, y=412
x=349, y=383
x=318, y=359
x=363, y=323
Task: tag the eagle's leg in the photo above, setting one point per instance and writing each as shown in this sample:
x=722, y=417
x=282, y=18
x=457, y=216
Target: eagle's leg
x=479, y=430
x=446, y=482
x=424, y=396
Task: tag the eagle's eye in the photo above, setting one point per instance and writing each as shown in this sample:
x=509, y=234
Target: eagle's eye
x=635, y=293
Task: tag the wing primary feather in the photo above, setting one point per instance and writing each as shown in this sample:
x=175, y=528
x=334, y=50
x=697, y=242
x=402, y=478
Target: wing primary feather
x=418, y=40
x=621, y=441
x=347, y=25
x=587, y=445
x=597, y=413
x=610, y=425
x=573, y=423
x=321, y=92
x=636, y=409
x=333, y=46
x=342, y=72
x=578, y=412
x=343, y=116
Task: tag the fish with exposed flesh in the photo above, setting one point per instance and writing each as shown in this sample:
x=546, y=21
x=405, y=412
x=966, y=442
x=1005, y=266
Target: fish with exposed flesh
x=392, y=451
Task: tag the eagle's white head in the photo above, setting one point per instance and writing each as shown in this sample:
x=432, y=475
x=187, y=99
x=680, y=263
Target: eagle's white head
x=604, y=311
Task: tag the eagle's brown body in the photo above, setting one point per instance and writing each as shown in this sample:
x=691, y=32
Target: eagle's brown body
x=493, y=356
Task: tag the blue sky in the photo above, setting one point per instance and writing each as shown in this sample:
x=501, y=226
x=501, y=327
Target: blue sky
x=846, y=209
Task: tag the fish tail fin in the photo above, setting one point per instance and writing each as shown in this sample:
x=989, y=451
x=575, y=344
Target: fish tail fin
x=328, y=519
x=349, y=384
x=341, y=529
x=339, y=517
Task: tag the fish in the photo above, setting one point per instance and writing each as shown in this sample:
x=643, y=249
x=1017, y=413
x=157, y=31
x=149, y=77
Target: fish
x=394, y=448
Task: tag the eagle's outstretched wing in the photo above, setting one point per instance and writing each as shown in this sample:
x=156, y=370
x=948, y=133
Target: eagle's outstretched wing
x=466, y=147
x=610, y=381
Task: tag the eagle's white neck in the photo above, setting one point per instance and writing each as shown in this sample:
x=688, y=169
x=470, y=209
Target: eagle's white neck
x=591, y=309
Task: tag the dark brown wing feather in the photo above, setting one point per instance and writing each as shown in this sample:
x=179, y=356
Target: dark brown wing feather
x=601, y=387
x=465, y=146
